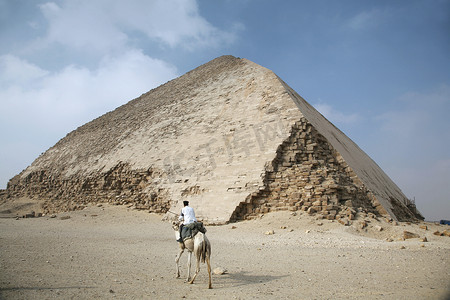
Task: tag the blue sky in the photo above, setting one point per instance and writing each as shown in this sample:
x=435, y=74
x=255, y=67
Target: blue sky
x=379, y=70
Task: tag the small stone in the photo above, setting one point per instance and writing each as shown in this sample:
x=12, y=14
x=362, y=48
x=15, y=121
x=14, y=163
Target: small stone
x=410, y=235
x=233, y=227
x=311, y=210
x=446, y=233
x=64, y=218
x=270, y=232
x=378, y=228
x=424, y=239
x=219, y=271
x=437, y=233
x=424, y=227
x=362, y=224
x=344, y=222
x=30, y=215
x=402, y=247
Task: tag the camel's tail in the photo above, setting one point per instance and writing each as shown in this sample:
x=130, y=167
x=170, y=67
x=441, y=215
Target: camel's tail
x=205, y=249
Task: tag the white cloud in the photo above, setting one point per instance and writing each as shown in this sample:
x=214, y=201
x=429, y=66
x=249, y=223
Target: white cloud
x=367, y=19
x=99, y=26
x=335, y=116
x=75, y=94
x=14, y=70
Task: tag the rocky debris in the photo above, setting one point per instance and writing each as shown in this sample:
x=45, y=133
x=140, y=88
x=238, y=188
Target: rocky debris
x=32, y=214
x=270, y=232
x=119, y=186
x=410, y=235
x=64, y=218
x=309, y=175
x=446, y=232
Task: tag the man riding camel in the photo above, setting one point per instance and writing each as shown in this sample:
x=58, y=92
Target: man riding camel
x=188, y=217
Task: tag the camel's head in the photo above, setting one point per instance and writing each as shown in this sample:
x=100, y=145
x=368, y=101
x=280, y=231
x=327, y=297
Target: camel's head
x=175, y=225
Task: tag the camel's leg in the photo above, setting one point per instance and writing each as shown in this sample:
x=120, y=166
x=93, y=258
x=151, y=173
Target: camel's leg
x=177, y=259
x=197, y=269
x=189, y=266
x=209, y=270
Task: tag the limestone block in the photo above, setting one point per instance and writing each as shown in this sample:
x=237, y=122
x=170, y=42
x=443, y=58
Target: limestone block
x=410, y=235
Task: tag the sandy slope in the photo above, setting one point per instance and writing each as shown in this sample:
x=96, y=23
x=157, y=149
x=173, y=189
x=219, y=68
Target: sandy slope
x=112, y=252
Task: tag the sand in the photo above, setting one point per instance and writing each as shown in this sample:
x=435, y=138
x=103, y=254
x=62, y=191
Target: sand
x=112, y=252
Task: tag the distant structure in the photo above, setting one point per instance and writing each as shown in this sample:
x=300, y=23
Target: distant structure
x=229, y=136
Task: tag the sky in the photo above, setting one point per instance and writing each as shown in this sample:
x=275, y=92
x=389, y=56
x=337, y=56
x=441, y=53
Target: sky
x=378, y=70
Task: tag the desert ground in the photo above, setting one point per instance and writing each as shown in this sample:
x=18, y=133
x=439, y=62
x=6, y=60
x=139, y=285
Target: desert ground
x=115, y=252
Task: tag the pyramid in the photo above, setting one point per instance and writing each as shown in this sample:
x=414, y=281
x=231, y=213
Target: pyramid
x=230, y=137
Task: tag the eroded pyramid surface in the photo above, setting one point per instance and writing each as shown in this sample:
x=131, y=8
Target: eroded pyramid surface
x=230, y=137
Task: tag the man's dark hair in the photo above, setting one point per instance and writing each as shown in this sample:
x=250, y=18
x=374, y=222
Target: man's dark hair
x=186, y=203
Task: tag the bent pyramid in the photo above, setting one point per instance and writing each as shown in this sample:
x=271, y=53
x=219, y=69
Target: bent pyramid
x=229, y=136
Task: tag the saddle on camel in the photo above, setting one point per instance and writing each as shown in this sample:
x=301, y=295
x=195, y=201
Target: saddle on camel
x=190, y=230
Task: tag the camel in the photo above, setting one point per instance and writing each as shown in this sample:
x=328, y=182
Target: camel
x=200, y=246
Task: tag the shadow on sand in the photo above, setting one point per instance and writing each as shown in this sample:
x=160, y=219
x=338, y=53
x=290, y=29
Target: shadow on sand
x=244, y=278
